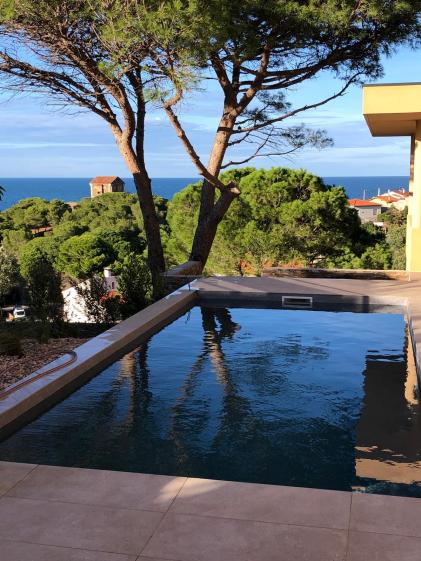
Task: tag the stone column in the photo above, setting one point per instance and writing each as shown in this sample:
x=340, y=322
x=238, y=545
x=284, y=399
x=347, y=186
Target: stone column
x=413, y=237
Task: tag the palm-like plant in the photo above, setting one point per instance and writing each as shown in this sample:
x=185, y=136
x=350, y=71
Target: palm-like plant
x=2, y=191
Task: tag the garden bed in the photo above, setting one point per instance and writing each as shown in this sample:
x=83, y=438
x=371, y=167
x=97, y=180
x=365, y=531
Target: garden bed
x=35, y=355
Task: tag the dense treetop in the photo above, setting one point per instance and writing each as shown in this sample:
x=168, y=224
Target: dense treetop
x=97, y=233
x=283, y=216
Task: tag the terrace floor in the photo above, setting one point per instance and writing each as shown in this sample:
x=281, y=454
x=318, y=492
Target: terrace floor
x=70, y=514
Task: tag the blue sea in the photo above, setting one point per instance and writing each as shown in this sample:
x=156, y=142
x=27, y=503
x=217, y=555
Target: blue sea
x=74, y=189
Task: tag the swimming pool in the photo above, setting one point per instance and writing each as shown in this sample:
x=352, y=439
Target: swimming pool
x=290, y=397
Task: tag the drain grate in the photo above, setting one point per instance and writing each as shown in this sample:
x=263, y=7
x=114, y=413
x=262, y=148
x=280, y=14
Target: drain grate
x=297, y=301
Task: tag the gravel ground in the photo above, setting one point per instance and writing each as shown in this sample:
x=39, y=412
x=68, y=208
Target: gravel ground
x=14, y=368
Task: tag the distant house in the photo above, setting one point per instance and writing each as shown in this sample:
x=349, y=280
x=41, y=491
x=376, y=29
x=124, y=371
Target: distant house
x=74, y=305
x=398, y=199
x=367, y=210
x=106, y=184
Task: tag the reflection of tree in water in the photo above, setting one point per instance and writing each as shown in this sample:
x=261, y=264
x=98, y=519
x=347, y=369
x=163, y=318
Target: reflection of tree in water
x=122, y=406
x=276, y=359
x=128, y=391
x=130, y=406
x=213, y=338
x=388, y=436
x=218, y=326
x=144, y=371
x=132, y=411
x=134, y=368
x=238, y=435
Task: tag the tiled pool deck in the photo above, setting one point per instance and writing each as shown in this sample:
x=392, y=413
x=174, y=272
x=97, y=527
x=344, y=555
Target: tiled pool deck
x=71, y=514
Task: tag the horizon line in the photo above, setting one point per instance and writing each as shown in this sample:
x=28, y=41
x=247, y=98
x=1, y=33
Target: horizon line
x=184, y=177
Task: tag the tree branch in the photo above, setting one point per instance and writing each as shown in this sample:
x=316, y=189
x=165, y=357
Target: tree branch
x=296, y=111
x=258, y=155
x=223, y=79
x=55, y=82
x=255, y=85
x=190, y=149
x=135, y=80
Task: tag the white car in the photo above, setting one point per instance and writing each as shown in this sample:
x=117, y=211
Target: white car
x=19, y=313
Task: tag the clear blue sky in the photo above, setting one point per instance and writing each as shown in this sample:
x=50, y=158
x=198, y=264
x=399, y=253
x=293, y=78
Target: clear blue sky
x=38, y=140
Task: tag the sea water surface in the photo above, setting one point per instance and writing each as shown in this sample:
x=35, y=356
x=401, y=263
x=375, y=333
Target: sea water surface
x=75, y=188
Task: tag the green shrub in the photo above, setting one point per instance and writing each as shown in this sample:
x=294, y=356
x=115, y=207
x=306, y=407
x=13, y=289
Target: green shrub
x=10, y=345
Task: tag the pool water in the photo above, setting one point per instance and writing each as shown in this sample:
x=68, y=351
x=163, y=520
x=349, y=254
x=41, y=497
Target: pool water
x=289, y=397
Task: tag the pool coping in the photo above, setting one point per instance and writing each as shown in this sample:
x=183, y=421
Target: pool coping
x=39, y=393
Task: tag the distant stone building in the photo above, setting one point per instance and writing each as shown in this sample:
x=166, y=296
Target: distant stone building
x=106, y=184
x=367, y=210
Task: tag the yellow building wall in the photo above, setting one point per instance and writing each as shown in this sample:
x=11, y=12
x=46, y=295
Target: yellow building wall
x=413, y=226
x=395, y=110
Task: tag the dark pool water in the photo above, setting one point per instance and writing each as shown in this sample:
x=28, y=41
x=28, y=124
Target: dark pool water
x=290, y=397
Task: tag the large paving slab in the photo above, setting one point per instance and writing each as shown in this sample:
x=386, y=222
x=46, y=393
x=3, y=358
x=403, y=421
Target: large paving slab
x=273, y=285
x=202, y=538
x=96, y=487
x=74, y=525
x=386, y=515
x=266, y=503
x=380, y=547
x=143, y=558
x=17, y=551
x=11, y=473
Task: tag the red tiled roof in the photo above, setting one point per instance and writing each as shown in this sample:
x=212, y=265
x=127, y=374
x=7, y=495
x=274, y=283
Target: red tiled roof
x=361, y=202
x=104, y=179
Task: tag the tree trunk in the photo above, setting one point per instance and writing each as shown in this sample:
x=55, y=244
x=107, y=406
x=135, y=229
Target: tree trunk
x=142, y=181
x=156, y=259
x=202, y=242
x=211, y=214
x=208, y=225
